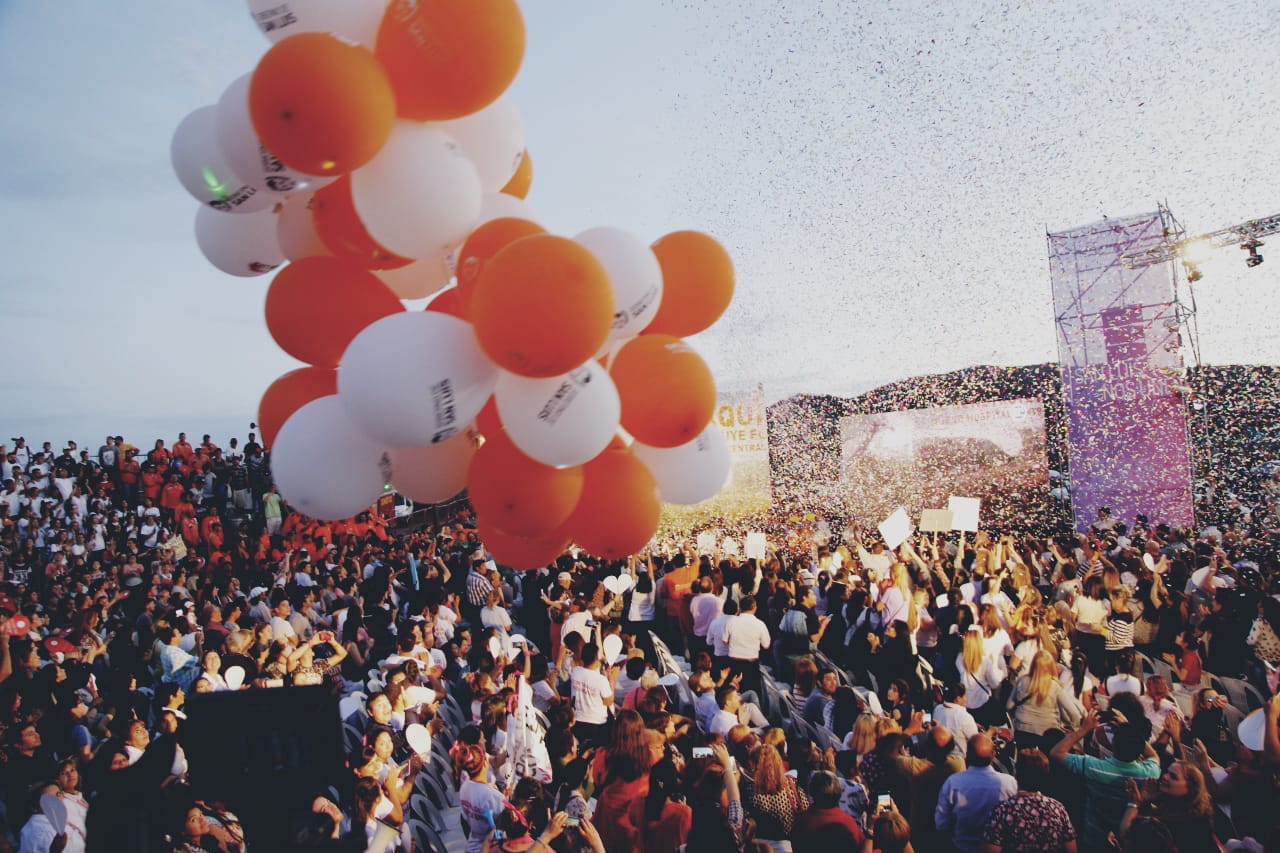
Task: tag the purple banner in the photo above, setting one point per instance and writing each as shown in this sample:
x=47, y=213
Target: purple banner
x=1120, y=350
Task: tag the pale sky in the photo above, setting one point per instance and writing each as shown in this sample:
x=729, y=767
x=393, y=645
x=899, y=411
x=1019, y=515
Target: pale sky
x=882, y=173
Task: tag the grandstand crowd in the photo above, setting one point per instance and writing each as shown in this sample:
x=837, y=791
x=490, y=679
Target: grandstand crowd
x=1110, y=690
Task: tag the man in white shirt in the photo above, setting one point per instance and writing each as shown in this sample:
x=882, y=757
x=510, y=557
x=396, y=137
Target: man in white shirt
x=746, y=636
x=281, y=630
x=715, y=636
x=953, y=716
x=726, y=717
x=592, y=698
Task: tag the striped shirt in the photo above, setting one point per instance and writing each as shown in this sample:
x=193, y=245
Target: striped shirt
x=478, y=589
x=1119, y=631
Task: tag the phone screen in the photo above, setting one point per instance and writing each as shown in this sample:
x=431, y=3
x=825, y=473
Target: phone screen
x=702, y=752
x=572, y=821
x=928, y=718
x=883, y=802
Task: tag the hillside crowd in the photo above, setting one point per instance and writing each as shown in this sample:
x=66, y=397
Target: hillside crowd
x=1113, y=689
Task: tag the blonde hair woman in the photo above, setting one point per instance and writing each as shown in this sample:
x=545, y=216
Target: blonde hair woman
x=1039, y=703
x=862, y=738
x=981, y=680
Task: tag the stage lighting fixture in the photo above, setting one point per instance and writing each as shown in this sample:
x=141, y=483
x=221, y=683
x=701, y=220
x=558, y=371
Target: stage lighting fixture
x=1193, y=273
x=1195, y=252
x=1254, y=258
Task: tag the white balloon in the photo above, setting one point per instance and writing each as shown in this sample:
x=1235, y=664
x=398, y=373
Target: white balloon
x=296, y=230
x=611, y=647
x=420, y=196
x=234, y=676
x=415, y=378
x=239, y=245
x=324, y=465
x=420, y=279
x=354, y=20
x=500, y=206
x=494, y=140
x=238, y=144
x=634, y=274
x=692, y=472
x=436, y=472
x=561, y=420
x=205, y=173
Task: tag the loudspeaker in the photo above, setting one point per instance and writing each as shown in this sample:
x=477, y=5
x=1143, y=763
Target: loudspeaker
x=266, y=754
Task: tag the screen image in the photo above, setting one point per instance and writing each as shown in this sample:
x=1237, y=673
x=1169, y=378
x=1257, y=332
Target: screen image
x=919, y=457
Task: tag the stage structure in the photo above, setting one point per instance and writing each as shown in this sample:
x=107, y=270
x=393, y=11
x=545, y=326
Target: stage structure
x=1120, y=344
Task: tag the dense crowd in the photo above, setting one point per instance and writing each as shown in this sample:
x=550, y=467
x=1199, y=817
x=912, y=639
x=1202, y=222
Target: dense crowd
x=1109, y=690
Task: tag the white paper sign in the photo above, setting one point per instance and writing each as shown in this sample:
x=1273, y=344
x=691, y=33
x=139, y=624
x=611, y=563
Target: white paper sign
x=756, y=545
x=896, y=528
x=729, y=546
x=936, y=520
x=706, y=542
x=965, y=513
x=878, y=562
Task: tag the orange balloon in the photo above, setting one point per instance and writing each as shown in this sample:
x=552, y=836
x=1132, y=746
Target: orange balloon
x=485, y=242
x=322, y=105
x=667, y=391
x=450, y=58
x=521, y=552
x=334, y=213
x=697, y=283
x=520, y=182
x=619, y=509
x=515, y=494
x=488, y=421
x=289, y=393
x=315, y=306
x=447, y=302
x=543, y=306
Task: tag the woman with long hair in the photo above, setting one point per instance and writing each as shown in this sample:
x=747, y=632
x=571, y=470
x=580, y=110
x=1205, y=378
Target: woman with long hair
x=1182, y=802
x=1039, y=703
x=862, y=737
x=775, y=799
x=717, y=821
x=981, y=680
x=621, y=771
x=844, y=708
x=664, y=818
x=640, y=611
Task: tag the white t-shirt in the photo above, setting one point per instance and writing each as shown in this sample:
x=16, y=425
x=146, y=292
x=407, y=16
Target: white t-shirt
x=590, y=689
x=745, y=636
x=481, y=804
x=643, y=605
x=576, y=622
x=1123, y=683
x=495, y=617
x=715, y=633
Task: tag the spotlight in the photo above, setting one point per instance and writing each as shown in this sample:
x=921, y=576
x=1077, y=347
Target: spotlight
x=1254, y=258
x=1193, y=273
x=1195, y=252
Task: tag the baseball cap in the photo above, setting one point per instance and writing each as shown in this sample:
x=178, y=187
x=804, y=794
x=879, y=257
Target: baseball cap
x=257, y=591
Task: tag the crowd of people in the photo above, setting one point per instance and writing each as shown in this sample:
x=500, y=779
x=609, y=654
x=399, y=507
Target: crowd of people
x=1113, y=689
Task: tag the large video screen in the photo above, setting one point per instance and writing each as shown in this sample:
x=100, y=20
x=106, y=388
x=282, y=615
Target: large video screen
x=918, y=458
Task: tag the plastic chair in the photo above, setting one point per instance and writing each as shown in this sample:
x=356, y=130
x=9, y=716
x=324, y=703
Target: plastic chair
x=1242, y=694
x=424, y=837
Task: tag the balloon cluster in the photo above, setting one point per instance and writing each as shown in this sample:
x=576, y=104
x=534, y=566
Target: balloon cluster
x=374, y=149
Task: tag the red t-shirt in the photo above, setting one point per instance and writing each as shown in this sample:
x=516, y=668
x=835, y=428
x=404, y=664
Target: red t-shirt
x=669, y=831
x=171, y=496
x=813, y=823
x=151, y=484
